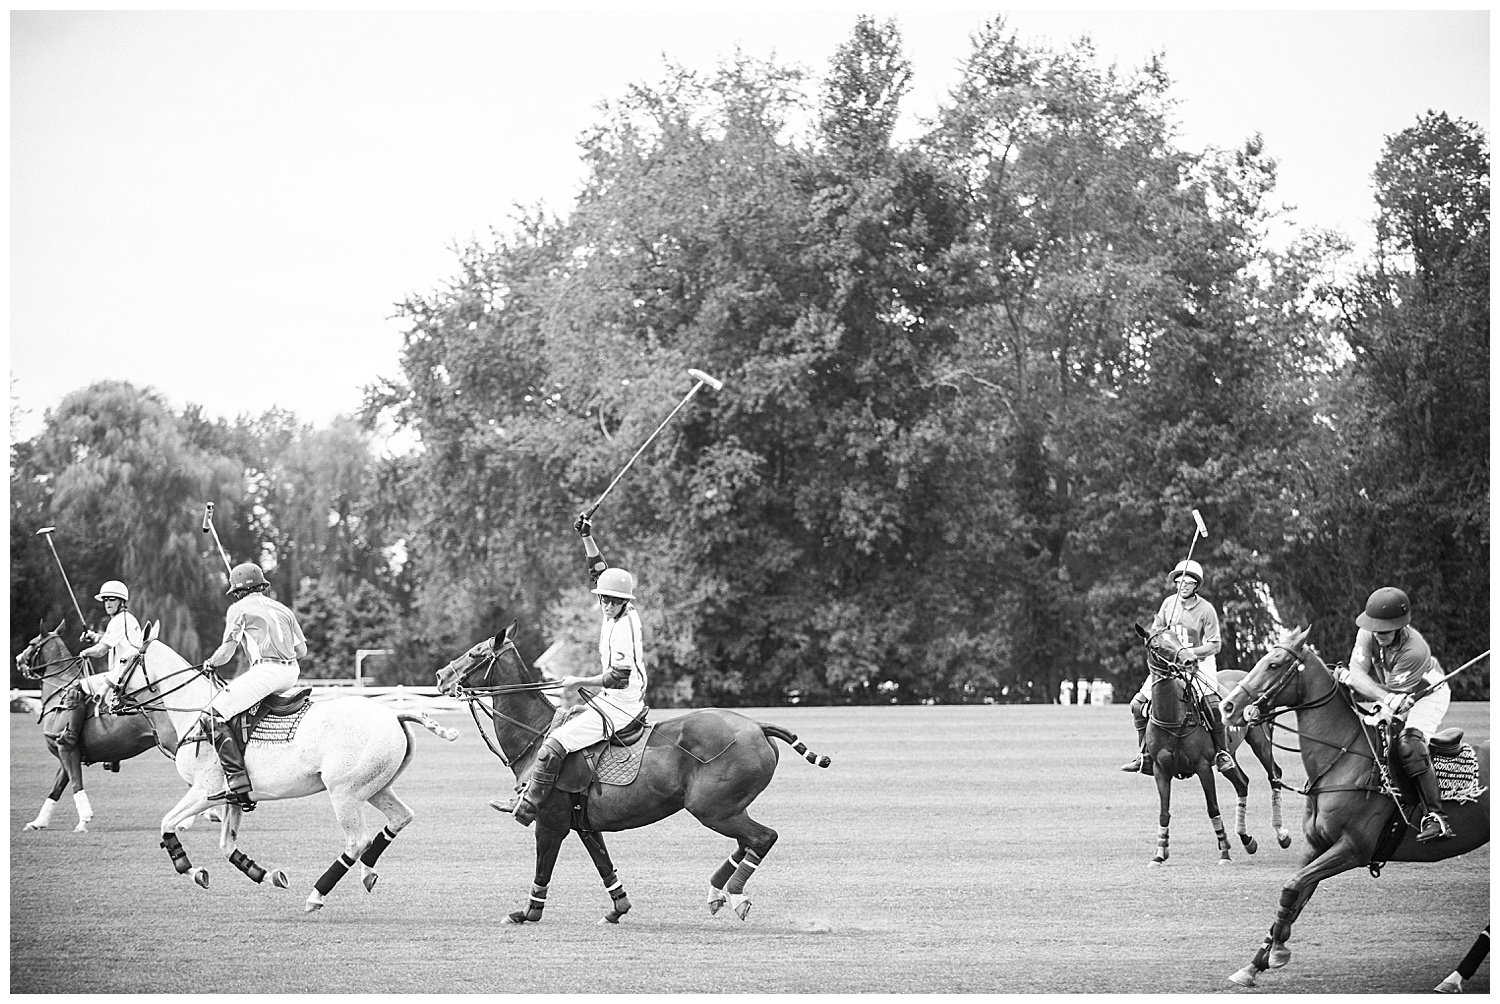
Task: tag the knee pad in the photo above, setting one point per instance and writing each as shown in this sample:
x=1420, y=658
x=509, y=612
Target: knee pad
x=552, y=752
x=1411, y=750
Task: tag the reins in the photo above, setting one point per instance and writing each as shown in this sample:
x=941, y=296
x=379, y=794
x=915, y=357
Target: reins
x=474, y=697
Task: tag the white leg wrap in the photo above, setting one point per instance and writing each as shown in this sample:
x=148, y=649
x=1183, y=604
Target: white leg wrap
x=44, y=817
x=85, y=810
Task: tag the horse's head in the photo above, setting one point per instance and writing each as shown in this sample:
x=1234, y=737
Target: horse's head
x=1274, y=682
x=479, y=665
x=42, y=651
x=153, y=672
x=1164, y=655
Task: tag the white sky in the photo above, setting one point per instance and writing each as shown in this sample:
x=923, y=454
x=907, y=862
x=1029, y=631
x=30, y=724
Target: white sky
x=227, y=206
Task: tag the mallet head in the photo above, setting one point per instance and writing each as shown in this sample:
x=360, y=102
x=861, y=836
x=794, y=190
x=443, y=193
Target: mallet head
x=1198, y=518
x=208, y=515
x=46, y=529
x=703, y=377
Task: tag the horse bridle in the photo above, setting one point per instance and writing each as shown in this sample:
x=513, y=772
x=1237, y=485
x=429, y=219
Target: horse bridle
x=34, y=671
x=1263, y=703
x=473, y=695
x=132, y=700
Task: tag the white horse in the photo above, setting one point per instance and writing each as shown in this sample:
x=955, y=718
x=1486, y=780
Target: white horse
x=351, y=747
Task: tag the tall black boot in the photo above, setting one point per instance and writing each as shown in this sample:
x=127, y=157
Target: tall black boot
x=543, y=777
x=231, y=758
x=1223, y=762
x=1140, y=765
x=1417, y=762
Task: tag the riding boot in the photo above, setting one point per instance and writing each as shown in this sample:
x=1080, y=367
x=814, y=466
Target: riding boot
x=543, y=777
x=1417, y=762
x=1141, y=764
x=231, y=758
x=1223, y=762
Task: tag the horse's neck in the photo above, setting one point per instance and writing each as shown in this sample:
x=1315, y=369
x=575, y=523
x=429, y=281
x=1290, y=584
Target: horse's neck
x=1325, y=716
x=1166, y=698
x=60, y=668
x=185, y=693
x=520, y=732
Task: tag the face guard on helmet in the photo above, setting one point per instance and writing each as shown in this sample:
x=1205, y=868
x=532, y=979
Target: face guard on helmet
x=1387, y=609
x=114, y=589
x=1190, y=568
x=615, y=582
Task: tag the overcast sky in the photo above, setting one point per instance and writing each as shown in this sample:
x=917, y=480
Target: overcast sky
x=227, y=206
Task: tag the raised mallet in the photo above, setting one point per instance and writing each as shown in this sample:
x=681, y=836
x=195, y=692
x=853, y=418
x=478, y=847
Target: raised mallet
x=208, y=527
x=701, y=378
x=48, y=531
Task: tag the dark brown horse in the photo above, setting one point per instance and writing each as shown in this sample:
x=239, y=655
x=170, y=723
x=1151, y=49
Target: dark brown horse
x=106, y=738
x=1179, y=745
x=712, y=763
x=1349, y=808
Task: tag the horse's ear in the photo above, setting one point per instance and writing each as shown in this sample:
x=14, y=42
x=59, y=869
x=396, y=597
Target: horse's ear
x=153, y=628
x=60, y=625
x=1299, y=635
x=510, y=631
x=1141, y=632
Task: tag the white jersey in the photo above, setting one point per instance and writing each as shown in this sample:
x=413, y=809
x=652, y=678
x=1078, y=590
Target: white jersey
x=622, y=656
x=124, y=638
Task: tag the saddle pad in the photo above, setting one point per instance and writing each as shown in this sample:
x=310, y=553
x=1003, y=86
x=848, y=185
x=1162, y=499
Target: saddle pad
x=279, y=729
x=1458, y=776
x=620, y=764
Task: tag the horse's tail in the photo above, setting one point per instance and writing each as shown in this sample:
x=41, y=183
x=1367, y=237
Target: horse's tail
x=777, y=732
x=421, y=718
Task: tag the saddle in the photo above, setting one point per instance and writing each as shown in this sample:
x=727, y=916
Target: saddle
x=615, y=759
x=289, y=704
x=1454, y=764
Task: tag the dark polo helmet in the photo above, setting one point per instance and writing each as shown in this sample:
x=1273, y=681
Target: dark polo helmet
x=243, y=576
x=1387, y=609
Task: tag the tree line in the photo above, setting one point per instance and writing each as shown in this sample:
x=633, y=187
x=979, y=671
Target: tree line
x=975, y=383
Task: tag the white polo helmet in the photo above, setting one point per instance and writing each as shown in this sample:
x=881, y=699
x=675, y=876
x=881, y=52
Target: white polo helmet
x=115, y=589
x=1188, y=567
x=616, y=582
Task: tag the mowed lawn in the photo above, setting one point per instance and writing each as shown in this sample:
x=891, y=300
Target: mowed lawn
x=990, y=849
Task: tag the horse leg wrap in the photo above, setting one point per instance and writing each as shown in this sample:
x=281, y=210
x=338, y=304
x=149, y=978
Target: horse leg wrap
x=534, y=906
x=252, y=870
x=1281, y=930
x=331, y=877
x=179, y=856
x=81, y=803
x=618, y=899
x=742, y=872
x=377, y=847
x=727, y=869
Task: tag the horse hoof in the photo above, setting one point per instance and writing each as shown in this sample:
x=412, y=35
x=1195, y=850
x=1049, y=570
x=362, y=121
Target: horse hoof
x=1245, y=977
x=1284, y=839
x=369, y=882
x=82, y=827
x=610, y=918
x=1279, y=957
x=742, y=910
x=314, y=902
x=34, y=825
x=1454, y=984
x=279, y=879
x=1250, y=843
x=1224, y=860
x=716, y=899
x=1155, y=863
x=200, y=877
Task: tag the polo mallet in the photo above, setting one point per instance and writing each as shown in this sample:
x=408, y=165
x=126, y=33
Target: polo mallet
x=208, y=527
x=698, y=375
x=1199, y=530
x=48, y=531
x=1433, y=686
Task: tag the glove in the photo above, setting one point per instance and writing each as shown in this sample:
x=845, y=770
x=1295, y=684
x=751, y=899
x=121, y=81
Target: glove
x=88, y=637
x=584, y=526
x=1341, y=674
x=1394, y=705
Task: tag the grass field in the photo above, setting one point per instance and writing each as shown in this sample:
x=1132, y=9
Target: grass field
x=990, y=849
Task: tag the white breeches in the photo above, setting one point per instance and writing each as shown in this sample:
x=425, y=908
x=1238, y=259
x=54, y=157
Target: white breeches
x=1426, y=716
x=260, y=680
x=586, y=726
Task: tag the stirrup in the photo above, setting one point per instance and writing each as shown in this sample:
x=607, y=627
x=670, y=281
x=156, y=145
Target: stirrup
x=239, y=798
x=1434, y=827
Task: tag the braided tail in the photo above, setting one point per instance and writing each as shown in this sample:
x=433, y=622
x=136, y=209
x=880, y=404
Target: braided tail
x=777, y=732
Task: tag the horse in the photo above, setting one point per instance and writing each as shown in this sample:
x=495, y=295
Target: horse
x=1453, y=983
x=1179, y=745
x=711, y=762
x=106, y=738
x=351, y=747
x=1351, y=818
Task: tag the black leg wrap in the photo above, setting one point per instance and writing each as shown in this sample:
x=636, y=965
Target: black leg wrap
x=331, y=877
x=377, y=847
x=179, y=856
x=255, y=872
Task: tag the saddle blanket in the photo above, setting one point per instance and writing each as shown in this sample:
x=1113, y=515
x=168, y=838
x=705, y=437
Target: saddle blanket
x=619, y=765
x=279, y=728
x=1458, y=776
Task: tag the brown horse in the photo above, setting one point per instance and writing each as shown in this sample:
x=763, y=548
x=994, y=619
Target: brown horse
x=712, y=763
x=1179, y=745
x=106, y=738
x=1349, y=808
